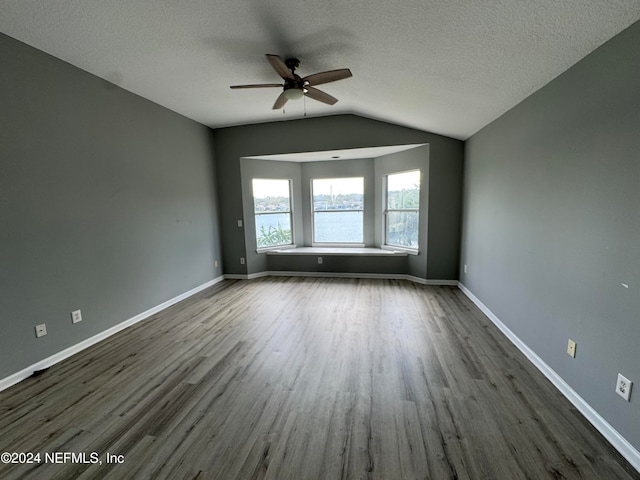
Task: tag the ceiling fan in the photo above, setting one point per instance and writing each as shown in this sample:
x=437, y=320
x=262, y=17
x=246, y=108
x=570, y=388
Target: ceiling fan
x=295, y=87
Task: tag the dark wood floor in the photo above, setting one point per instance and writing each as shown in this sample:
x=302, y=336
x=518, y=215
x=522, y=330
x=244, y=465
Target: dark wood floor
x=299, y=378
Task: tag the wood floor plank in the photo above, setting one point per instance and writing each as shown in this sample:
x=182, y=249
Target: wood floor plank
x=305, y=378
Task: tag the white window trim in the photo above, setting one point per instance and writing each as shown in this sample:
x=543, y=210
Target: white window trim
x=313, y=221
x=395, y=248
x=339, y=251
x=386, y=210
x=337, y=245
x=275, y=247
x=290, y=212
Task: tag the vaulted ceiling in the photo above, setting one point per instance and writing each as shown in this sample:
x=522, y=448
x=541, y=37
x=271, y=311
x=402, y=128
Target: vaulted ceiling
x=445, y=66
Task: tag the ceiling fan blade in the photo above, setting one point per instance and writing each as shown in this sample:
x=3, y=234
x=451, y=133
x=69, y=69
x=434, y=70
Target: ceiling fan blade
x=328, y=76
x=280, y=67
x=258, y=85
x=280, y=101
x=320, y=96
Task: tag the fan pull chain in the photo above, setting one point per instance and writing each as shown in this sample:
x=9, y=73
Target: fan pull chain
x=304, y=102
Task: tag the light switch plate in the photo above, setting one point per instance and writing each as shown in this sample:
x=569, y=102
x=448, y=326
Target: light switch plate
x=76, y=316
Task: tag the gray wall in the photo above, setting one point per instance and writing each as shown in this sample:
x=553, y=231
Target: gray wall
x=338, y=132
x=107, y=204
x=552, y=224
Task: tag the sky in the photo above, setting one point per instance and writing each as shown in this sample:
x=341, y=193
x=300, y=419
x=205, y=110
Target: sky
x=270, y=188
x=338, y=186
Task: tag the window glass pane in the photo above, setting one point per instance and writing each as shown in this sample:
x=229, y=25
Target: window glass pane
x=338, y=210
x=273, y=229
x=272, y=207
x=271, y=195
x=403, y=193
x=338, y=193
x=402, y=229
x=403, y=190
x=337, y=227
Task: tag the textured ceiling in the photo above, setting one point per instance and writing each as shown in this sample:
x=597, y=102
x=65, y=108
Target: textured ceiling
x=445, y=66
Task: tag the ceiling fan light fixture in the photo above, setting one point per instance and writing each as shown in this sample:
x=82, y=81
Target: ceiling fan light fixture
x=293, y=93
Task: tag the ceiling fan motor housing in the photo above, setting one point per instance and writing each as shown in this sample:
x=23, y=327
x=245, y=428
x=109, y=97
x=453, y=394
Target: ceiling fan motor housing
x=294, y=89
x=292, y=63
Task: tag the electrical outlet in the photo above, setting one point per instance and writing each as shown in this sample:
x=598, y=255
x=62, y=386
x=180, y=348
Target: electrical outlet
x=215, y=264
x=239, y=223
x=41, y=330
x=571, y=348
x=465, y=268
x=241, y=260
x=319, y=260
x=623, y=387
x=76, y=316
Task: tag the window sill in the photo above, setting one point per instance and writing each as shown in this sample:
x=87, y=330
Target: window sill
x=270, y=249
x=337, y=245
x=408, y=251
x=344, y=251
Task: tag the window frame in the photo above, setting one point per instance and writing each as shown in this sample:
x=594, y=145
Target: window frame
x=387, y=210
x=260, y=249
x=315, y=243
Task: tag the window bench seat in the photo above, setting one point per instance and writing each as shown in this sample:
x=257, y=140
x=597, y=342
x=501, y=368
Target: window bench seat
x=344, y=251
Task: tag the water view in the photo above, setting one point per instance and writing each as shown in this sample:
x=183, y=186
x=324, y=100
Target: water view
x=333, y=227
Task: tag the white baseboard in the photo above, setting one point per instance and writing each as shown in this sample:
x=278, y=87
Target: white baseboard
x=236, y=276
x=450, y=283
x=385, y=276
x=67, y=352
x=627, y=450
